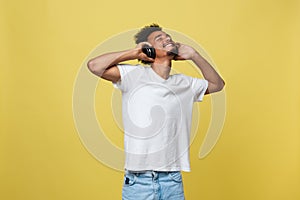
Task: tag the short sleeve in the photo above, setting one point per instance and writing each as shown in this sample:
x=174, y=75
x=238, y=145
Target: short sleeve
x=199, y=87
x=129, y=74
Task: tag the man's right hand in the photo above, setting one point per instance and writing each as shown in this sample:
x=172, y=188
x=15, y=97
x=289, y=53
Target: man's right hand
x=140, y=54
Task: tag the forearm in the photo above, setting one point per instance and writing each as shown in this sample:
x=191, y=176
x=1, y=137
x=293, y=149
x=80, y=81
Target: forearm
x=216, y=83
x=100, y=63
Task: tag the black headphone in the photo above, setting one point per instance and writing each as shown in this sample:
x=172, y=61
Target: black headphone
x=149, y=51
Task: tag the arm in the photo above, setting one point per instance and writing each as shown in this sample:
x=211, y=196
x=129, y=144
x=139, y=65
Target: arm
x=105, y=66
x=215, y=82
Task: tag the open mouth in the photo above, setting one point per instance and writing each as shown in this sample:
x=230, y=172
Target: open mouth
x=168, y=44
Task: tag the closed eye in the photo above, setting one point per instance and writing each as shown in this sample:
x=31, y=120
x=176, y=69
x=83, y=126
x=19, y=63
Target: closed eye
x=169, y=36
x=158, y=38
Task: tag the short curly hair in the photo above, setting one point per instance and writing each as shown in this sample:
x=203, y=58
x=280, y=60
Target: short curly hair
x=143, y=34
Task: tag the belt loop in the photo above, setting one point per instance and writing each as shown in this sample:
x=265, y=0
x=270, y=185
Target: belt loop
x=154, y=175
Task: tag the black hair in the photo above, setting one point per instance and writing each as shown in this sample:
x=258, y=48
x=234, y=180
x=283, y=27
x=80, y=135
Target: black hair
x=142, y=35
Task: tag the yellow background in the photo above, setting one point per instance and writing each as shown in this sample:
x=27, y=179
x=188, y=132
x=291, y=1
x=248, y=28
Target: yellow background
x=254, y=43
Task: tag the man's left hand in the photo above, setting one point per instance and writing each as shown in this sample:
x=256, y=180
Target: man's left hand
x=185, y=52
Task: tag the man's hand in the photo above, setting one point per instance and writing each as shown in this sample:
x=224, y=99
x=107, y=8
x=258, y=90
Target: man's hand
x=140, y=54
x=185, y=52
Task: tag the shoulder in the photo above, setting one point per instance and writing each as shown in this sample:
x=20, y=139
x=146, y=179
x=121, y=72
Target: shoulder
x=189, y=80
x=181, y=77
x=129, y=67
x=126, y=68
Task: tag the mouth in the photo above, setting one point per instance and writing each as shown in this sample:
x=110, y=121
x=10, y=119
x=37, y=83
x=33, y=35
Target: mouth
x=168, y=45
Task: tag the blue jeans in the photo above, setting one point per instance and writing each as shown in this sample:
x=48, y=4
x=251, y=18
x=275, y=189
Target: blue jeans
x=152, y=185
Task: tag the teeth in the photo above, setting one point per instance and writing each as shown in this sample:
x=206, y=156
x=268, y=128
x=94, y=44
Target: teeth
x=168, y=44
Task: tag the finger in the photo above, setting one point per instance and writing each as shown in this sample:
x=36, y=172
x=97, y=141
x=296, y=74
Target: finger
x=146, y=58
x=177, y=44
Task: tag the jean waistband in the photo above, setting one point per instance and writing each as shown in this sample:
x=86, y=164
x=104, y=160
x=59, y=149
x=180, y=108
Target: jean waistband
x=148, y=171
x=145, y=172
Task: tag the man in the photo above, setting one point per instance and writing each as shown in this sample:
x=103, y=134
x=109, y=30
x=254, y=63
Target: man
x=157, y=110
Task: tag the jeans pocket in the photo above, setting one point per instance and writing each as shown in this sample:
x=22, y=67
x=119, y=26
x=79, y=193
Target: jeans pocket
x=129, y=179
x=175, y=176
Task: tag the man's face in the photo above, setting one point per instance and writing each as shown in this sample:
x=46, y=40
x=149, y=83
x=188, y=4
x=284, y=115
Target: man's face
x=163, y=41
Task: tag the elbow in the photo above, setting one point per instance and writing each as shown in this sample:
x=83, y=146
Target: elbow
x=94, y=68
x=216, y=87
x=91, y=65
x=221, y=85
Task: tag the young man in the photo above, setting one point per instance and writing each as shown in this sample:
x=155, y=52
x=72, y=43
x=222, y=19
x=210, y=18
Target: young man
x=157, y=110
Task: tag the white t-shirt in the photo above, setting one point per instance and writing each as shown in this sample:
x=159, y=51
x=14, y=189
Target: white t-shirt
x=157, y=116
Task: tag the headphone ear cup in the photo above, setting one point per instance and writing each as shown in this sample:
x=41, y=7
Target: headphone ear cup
x=149, y=51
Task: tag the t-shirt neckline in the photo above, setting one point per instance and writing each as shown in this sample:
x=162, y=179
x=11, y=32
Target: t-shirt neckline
x=159, y=77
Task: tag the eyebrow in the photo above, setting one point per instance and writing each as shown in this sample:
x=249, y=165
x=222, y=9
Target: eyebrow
x=157, y=36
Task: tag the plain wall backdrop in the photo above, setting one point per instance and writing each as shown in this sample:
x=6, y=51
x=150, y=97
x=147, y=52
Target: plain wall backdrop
x=255, y=45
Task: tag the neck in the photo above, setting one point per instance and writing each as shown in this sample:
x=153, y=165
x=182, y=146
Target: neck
x=162, y=68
